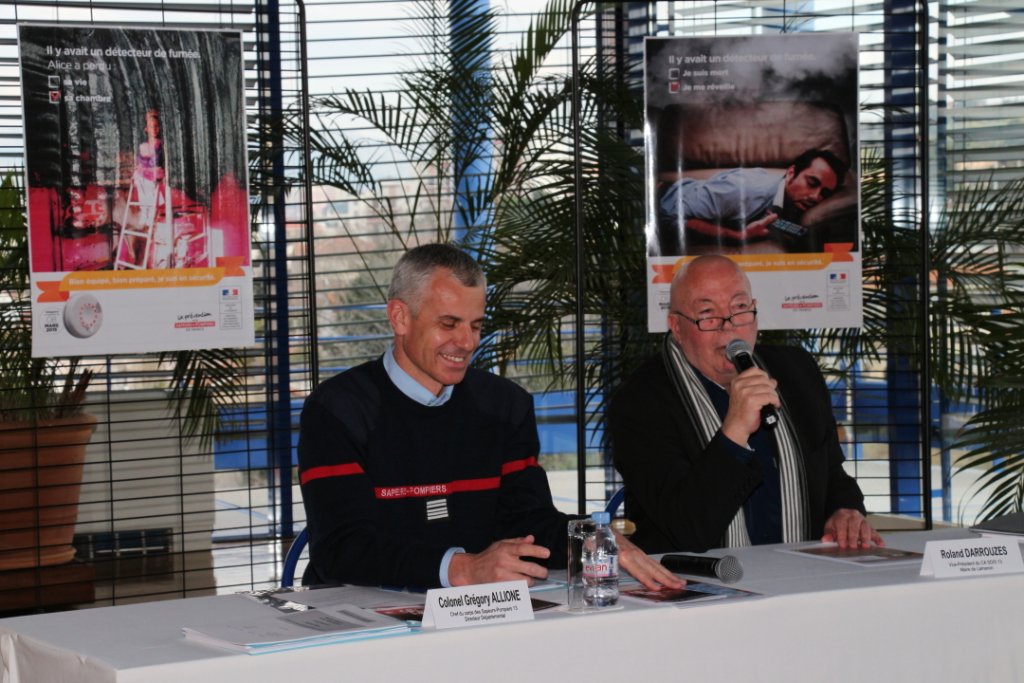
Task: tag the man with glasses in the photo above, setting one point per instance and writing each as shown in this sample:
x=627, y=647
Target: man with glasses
x=700, y=470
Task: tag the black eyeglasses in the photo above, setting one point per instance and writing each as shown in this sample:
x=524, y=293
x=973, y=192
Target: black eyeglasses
x=714, y=323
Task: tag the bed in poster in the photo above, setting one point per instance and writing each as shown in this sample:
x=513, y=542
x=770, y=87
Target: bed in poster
x=752, y=151
x=137, y=189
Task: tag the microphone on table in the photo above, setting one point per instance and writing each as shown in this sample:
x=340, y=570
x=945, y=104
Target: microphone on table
x=738, y=351
x=727, y=569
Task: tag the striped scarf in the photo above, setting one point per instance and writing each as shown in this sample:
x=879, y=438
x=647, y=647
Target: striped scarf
x=705, y=419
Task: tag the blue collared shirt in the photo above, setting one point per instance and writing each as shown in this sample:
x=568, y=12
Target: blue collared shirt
x=731, y=198
x=409, y=386
x=419, y=393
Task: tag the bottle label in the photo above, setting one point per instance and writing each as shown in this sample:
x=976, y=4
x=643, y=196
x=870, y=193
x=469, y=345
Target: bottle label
x=601, y=569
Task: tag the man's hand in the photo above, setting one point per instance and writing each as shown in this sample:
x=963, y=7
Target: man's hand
x=501, y=561
x=754, y=230
x=709, y=229
x=751, y=390
x=643, y=568
x=759, y=228
x=850, y=529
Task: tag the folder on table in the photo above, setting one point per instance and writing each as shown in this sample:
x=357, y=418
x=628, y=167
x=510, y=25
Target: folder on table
x=1007, y=525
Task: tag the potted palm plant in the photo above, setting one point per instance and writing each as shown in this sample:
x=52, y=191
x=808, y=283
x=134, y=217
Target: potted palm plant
x=43, y=430
x=41, y=459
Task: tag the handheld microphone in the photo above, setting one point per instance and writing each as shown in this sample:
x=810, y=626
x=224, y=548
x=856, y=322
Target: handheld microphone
x=726, y=569
x=738, y=352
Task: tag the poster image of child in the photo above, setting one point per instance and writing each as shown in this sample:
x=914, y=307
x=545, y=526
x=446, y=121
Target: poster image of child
x=139, y=135
x=137, y=188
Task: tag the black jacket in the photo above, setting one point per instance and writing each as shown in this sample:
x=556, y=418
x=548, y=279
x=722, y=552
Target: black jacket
x=682, y=496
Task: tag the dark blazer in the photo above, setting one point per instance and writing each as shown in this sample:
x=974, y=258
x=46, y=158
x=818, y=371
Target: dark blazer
x=682, y=496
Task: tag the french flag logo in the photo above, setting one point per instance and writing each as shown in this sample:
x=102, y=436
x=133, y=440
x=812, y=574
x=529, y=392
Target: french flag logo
x=837, y=277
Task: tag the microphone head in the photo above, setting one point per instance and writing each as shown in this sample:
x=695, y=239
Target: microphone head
x=736, y=347
x=728, y=569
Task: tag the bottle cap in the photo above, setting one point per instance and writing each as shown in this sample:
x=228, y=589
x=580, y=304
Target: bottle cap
x=601, y=517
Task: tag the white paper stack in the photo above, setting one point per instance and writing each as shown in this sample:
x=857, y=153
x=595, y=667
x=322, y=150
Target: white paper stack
x=287, y=631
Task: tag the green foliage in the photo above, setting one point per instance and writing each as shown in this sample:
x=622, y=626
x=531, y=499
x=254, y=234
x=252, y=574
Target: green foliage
x=30, y=388
x=203, y=382
x=523, y=212
x=976, y=311
x=520, y=209
x=978, y=329
x=36, y=389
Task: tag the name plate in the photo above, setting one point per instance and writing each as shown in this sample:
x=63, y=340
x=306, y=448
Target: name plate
x=971, y=557
x=478, y=605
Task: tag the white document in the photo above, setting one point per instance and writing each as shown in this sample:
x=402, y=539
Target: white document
x=290, y=630
x=362, y=596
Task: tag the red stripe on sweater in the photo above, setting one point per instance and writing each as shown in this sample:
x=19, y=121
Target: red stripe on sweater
x=518, y=465
x=330, y=471
x=420, y=490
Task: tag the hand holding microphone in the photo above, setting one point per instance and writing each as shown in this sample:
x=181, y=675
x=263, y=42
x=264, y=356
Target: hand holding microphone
x=738, y=352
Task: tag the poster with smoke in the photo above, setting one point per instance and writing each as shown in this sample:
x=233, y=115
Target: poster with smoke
x=137, y=190
x=752, y=152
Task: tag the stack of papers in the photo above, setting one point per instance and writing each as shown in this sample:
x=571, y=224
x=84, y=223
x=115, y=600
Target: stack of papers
x=279, y=631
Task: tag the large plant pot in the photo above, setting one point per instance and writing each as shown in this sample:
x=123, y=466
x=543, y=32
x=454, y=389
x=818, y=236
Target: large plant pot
x=40, y=480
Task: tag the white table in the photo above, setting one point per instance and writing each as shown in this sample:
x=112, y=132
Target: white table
x=819, y=621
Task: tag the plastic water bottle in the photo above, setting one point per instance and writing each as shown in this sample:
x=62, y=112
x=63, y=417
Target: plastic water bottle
x=600, y=564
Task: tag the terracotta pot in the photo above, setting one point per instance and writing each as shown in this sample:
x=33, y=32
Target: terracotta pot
x=40, y=480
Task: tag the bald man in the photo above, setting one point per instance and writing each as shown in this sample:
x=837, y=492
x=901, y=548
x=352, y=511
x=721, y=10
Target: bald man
x=700, y=469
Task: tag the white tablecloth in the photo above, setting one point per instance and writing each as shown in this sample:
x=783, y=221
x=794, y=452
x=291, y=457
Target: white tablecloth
x=818, y=621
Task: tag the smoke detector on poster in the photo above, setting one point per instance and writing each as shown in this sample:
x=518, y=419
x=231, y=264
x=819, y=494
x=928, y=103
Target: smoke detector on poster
x=83, y=316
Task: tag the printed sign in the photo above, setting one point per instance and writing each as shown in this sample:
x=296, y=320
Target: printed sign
x=137, y=190
x=478, y=605
x=752, y=152
x=972, y=557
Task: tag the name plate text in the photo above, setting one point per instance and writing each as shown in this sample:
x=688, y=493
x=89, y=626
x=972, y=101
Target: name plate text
x=971, y=557
x=479, y=605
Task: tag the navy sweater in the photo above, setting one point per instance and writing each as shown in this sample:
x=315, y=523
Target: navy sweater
x=389, y=484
